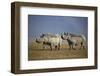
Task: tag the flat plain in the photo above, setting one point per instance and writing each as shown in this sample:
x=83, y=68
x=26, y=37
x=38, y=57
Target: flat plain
x=36, y=52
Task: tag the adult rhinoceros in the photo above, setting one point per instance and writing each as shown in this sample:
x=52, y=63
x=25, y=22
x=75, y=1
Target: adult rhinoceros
x=74, y=40
x=54, y=41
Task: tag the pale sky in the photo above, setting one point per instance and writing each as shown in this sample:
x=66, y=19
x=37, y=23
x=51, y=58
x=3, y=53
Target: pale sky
x=38, y=24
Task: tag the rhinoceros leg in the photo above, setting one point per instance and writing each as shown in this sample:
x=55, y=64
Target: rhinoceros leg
x=43, y=46
x=59, y=46
x=51, y=47
x=56, y=47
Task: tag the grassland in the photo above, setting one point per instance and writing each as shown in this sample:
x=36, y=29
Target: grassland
x=36, y=52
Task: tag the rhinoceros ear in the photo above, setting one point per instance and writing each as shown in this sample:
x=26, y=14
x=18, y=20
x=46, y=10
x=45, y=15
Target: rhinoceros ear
x=36, y=39
x=41, y=35
x=65, y=33
x=61, y=33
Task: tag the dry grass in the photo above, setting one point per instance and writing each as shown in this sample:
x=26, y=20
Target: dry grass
x=35, y=52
